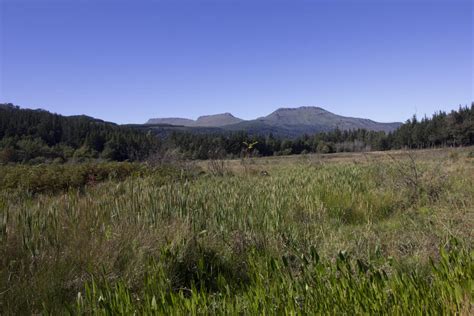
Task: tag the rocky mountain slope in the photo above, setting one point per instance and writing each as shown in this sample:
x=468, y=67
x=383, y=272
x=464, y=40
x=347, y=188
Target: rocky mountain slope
x=283, y=122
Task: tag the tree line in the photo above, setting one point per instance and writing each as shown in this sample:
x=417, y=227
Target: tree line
x=441, y=130
x=37, y=136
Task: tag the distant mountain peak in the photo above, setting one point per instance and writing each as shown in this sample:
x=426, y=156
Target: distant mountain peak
x=303, y=115
x=301, y=108
x=223, y=115
x=291, y=121
x=171, y=121
x=217, y=120
x=214, y=120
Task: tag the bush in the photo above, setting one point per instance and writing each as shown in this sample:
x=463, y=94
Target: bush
x=454, y=155
x=53, y=178
x=202, y=267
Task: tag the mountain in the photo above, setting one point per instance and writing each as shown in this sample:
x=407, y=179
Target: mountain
x=216, y=120
x=284, y=122
x=316, y=119
x=171, y=121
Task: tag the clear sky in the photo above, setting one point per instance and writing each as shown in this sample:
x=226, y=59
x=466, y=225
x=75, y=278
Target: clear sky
x=127, y=61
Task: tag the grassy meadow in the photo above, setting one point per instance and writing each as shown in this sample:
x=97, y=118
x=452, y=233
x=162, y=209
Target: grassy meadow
x=374, y=233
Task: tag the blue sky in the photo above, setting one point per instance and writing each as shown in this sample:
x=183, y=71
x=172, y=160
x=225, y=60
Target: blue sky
x=127, y=61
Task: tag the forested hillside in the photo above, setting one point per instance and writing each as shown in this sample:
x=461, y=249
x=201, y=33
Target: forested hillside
x=443, y=129
x=37, y=136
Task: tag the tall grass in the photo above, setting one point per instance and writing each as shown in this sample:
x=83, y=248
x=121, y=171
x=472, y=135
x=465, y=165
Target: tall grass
x=305, y=238
x=297, y=285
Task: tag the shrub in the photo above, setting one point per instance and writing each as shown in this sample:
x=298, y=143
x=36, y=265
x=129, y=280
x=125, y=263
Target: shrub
x=53, y=178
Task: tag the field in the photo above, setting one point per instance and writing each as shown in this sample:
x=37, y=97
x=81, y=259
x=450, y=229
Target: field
x=378, y=233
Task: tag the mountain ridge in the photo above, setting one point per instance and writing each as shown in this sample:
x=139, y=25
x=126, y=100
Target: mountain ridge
x=212, y=120
x=284, y=121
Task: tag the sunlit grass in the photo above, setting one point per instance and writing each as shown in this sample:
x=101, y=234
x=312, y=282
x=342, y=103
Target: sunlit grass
x=309, y=237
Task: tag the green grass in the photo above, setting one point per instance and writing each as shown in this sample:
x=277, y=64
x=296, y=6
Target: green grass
x=371, y=236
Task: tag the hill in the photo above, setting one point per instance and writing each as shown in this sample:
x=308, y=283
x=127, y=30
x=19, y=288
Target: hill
x=216, y=120
x=284, y=122
x=38, y=135
x=176, y=121
x=321, y=119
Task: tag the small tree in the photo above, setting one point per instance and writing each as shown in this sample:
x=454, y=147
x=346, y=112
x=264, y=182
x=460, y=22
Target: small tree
x=249, y=149
x=323, y=148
